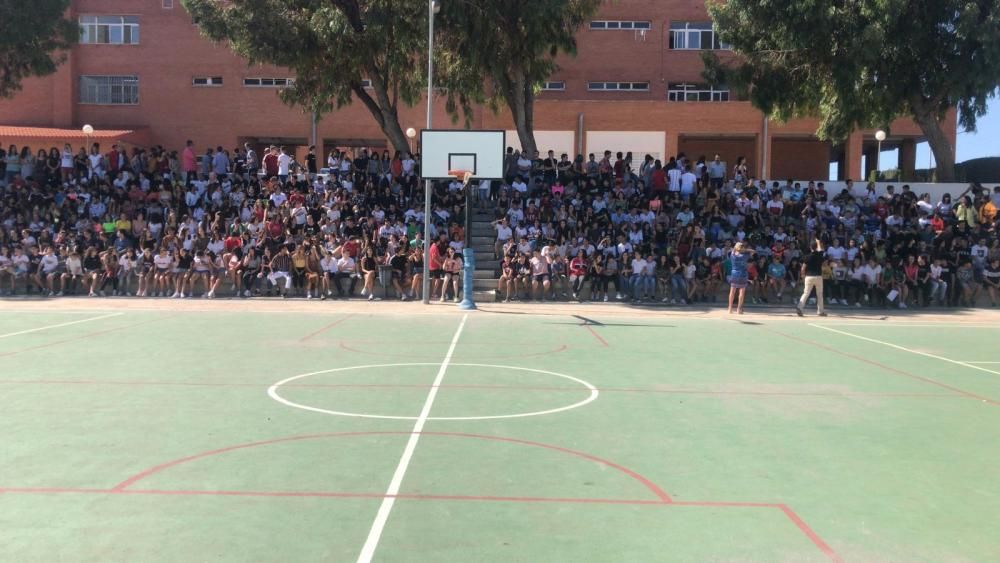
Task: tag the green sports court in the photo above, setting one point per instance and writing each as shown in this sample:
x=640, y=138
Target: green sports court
x=295, y=431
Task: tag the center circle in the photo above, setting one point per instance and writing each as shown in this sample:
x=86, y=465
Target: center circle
x=272, y=392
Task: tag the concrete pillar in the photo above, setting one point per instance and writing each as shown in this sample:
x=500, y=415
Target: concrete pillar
x=908, y=160
x=672, y=145
x=852, y=157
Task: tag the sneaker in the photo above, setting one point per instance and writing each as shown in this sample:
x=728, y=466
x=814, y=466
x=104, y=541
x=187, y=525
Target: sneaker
x=618, y=296
x=176, y=295
x=857, y=304
x=456, y=299
x=364, y=291
x=843, y=302
x=664, y=300
x=605, y=298
x=246, y=293
x=371, y=298
x=673, y=301
x=284, y=296
x=92, y=294
x=798, y=311
x=779, y=296
x=823, y=314
x=101, y=293
x=903, y=305
x=60, y=294
x=309, y=296
x=322, y=297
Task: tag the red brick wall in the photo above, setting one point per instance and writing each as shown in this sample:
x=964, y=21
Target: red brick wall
x=800, y=159
x=172, y=52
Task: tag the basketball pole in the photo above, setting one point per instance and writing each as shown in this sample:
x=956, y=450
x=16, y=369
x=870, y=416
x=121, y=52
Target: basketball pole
x=426, y=289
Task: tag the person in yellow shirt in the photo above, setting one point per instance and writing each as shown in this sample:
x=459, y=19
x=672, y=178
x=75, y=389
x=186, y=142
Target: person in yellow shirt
x=123, y=224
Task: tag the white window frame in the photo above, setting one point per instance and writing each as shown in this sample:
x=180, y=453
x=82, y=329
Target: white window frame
x=109, y=90
x=167, y=4
x=366, y=83
x=621, y=25
x=91, y=28
x=267, y=82
x=617, y=86
x=684, y=92
x=207, y=81
x=554, y=86
x=682, y=36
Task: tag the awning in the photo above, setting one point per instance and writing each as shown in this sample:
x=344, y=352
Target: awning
x=32, y=135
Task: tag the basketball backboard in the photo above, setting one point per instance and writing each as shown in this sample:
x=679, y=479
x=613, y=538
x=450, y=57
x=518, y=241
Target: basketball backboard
x=444, y=150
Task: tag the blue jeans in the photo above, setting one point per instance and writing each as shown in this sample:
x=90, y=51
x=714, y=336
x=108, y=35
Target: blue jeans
x=642, y=285
x=623, y=284
x=678, y=287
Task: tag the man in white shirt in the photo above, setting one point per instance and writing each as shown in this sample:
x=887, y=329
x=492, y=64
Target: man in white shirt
x=688, y=182
x=284, y=161
x=674, y=179
x=504, y=232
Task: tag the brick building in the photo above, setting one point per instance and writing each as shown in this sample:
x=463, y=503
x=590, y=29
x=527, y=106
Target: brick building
x=143, y=74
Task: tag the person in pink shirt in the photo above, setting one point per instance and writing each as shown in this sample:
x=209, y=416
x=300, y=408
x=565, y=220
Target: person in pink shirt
x=189, y=163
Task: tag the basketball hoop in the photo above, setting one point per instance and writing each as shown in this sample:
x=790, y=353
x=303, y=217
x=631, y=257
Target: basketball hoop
x=461, y=175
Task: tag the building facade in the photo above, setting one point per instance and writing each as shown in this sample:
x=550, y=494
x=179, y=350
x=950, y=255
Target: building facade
x=635, y=85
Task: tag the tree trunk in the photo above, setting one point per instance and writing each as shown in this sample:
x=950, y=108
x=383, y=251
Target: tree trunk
x=944, y=153
x=385, y=114
x=521, y=102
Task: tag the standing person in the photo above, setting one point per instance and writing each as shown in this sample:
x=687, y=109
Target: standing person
x=739, y=275
x=812, y=276
x=284, y=163
x=189, y=163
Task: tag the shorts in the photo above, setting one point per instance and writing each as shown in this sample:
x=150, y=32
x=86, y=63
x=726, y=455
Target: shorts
x=541, y=278
x=437, y=274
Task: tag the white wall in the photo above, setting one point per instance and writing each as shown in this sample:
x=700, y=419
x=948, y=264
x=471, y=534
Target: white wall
x=558, y=142
x=640, y=143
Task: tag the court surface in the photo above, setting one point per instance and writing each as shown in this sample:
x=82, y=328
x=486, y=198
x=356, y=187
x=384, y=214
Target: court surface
x=293, y=431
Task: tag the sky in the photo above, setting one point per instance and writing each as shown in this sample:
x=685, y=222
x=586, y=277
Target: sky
x=984, y=142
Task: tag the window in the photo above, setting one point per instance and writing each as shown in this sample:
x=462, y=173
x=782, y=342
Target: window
x=268, y=82
x=696, y=93
x=613, y=86
x=694, y=36
x=366, y=83
x=168, y=4
x=109, y=30
x=554, y=86
x=206, y=81
x=110, y=90
x=614, y=24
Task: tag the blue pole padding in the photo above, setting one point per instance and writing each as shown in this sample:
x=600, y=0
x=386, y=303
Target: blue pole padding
x=469, y=258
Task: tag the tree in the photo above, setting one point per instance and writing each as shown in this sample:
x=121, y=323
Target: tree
x=30, y=32
x=500, y=51
x=332, y=46
x=862, y=63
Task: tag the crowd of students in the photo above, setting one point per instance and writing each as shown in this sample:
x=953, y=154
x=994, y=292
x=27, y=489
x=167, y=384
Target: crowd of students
x=175, y=223
x=159, y=223
x=612, y=229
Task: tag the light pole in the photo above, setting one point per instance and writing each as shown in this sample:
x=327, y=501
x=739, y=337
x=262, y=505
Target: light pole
x=411, y=134
x=433, y=7
x=88, y=130
x=879, y=136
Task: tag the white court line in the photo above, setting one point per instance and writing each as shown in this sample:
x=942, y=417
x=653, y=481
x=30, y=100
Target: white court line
x=61, y=325
x=968, y=362
x=889, y=324
x=898, y=347
x=368, y=551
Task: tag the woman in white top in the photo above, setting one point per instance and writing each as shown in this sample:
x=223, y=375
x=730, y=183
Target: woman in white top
x=66, y=163
x=95, y=163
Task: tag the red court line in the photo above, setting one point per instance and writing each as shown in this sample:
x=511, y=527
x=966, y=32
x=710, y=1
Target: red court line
x=345, y=346
x=593, y=332
x=83, y=336
x=885, y=367
x=786, y=510
x=652, y=487
x=327, y=327
x=638, y=390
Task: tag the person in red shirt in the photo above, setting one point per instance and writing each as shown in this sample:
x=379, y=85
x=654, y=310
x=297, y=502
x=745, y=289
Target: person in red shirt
x=437, y=252
x=270, y=162
x=937, y=223
x=658, y=179
x=578, y=273
x=112, y=159
x=189, y=163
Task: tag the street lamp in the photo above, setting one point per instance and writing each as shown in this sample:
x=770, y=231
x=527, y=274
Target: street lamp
x=879, y=136
x=433, y=7
x=411, y=134
x=88, y=130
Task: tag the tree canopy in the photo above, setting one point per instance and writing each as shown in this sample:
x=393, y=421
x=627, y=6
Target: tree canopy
x=30, y=35
x=502, y=50
x=863, y=63
x=332, y=46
